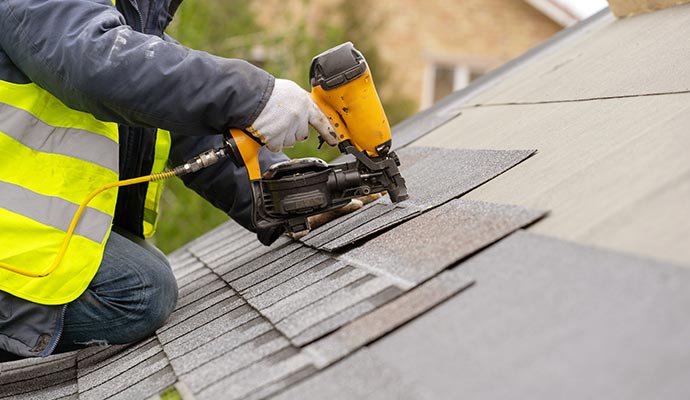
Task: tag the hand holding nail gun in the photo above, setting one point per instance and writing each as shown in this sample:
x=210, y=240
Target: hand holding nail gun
x=347, y=112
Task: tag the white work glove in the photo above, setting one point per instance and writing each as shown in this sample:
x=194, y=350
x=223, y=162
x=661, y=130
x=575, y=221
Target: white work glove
x=286, y=117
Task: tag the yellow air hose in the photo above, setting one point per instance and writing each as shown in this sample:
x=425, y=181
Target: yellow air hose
x=203, y=160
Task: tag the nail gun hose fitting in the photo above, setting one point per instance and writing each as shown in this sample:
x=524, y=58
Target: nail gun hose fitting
x=201, y=161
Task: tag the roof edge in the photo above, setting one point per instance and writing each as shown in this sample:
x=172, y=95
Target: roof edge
x=555, y=11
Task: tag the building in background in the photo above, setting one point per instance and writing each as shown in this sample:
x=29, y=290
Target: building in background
x=434, y=47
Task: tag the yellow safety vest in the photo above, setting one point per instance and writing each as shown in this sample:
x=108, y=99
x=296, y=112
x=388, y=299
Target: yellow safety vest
x=153, y=193
x=52, y=158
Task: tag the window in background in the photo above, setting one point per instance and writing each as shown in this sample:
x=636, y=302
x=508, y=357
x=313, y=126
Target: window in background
x=443, y=79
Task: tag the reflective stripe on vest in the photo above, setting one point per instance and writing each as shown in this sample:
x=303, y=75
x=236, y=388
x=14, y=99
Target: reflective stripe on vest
x=52, y=158
x=155, y=189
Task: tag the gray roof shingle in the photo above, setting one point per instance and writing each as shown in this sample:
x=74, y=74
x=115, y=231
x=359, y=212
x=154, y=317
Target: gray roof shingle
x=121, y=372
x=433, y=177
x=551, y=319
x=351, y=379
x=57, y=376
x=444, y=236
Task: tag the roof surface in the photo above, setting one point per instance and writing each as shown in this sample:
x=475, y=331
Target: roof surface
x=609, y=116
x=509, y=273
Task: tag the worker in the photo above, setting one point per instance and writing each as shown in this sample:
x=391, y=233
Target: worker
x=89, y=90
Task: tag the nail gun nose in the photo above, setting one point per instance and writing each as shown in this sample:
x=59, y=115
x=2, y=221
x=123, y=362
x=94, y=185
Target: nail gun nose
x=398, y=194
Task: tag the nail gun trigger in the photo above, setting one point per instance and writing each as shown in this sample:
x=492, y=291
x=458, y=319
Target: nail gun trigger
x=321, y=142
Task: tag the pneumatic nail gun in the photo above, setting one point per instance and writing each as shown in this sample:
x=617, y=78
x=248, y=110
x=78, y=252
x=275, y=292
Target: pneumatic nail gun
x=291, y=191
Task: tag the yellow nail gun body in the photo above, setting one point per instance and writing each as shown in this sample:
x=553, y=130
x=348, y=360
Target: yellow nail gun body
x=289, y=192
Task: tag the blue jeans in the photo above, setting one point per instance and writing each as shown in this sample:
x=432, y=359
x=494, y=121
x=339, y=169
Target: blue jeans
x=132, y=294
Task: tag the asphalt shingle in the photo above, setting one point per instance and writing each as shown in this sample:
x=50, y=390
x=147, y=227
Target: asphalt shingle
x=306, y=294
x=280, y=384
x=316, y=272
x=433, y=178
x=228, y=258
x=351, y=378
x=102, y=367
x=421, y=248
x=142, y=372
x=183, y=265
x=231, y=359
x=274, y=372
x=225, y=245
x=213, y=297
x=152, y=386
x=333, y=282
x=205, y=279
x=57, y=376
x=444, y=174
x=192, y=278
x=387, y=317
x=548, y=308
x=267, y=271
x=231, y=271
x=212, y=287
x=332, y=321
x=229, y=341
x=282, y=284
x=61, y=385
x=214, y=323
x=340, y=300
x=210, y=242
x=369, y=221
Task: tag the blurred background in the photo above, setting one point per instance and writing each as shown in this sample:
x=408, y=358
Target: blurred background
x=419, y=51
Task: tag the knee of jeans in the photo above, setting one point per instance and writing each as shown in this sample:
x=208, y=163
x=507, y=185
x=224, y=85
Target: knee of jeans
x=162, y=296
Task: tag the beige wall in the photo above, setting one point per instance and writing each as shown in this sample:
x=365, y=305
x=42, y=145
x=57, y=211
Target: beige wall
x=623, y=8
x=482, y=34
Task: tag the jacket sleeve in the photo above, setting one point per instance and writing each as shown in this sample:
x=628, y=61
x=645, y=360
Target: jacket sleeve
x=223, y=184
x=83, y=53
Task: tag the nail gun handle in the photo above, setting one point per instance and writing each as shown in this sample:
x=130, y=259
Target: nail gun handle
x=245, y=149
x=343, y=88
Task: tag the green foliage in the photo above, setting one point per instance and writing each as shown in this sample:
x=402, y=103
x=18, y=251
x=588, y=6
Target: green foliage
x=310, y=148
x=170, y=393
x=212, y=26
x=218, y=27
x=228, y=28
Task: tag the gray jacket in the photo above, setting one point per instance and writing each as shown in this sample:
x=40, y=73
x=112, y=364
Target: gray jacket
x=119, y=66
